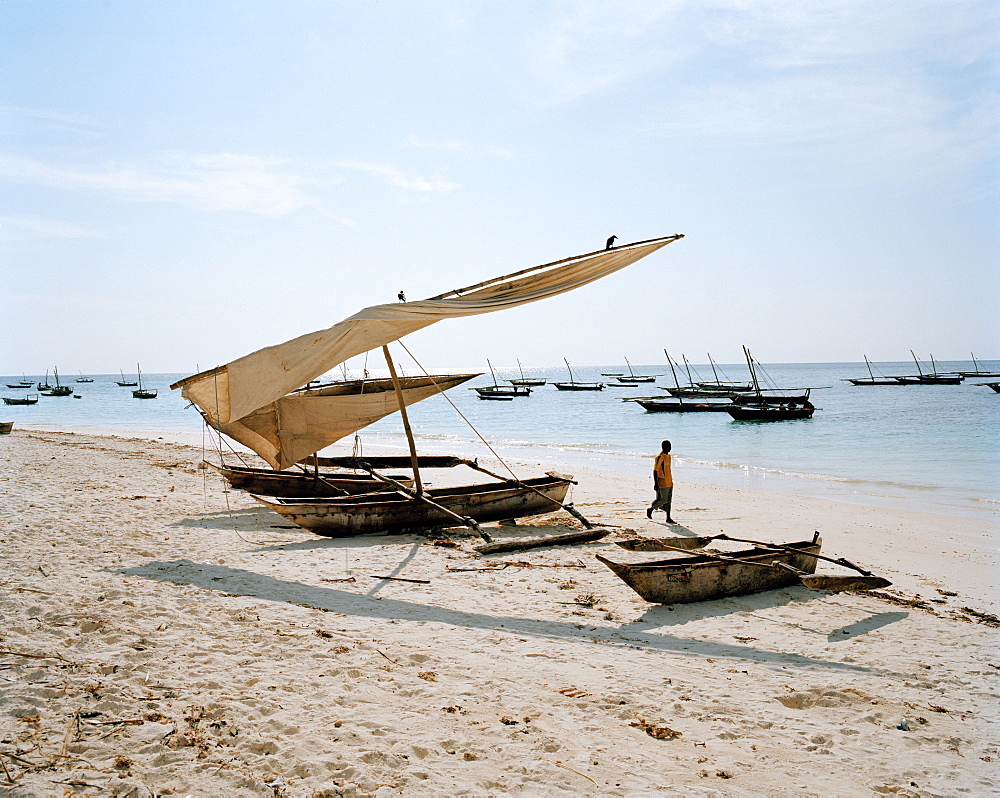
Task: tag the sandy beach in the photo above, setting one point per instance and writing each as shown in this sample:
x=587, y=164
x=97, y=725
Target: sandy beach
x=162, y=636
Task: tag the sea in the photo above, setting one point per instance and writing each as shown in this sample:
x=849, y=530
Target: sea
x=932, y=448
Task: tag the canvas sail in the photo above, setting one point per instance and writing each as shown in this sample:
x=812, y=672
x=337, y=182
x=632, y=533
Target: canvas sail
x=237, y=389
x=295, y=426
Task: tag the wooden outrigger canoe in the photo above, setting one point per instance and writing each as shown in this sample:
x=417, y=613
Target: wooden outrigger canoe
x=765, y=411
x=704, y=577
x=387, y=513
x=680, y=406
x=289, y=484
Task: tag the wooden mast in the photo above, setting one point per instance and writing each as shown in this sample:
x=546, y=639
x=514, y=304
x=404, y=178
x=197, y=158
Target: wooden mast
x=672, y=370
x=753, y=373
x=406, y=421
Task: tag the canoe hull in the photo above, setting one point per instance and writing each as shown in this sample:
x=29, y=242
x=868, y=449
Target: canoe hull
x=579, y=386
x=387, y=513
x=289, y=484
x=686, y=579
x=768, y=412
x=6, y=427
x=660, y=406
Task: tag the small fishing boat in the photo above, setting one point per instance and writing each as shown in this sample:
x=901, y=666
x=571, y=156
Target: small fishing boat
x=57, y=389
x=978, y=371
x=529, y=382
x=125, y=383
x=289, y=484
x=249, y=400
x=653, y=404
x=30, y=399
x=632, y=377
x=871, y=379
x=498, y=391
x=934, y=378
x=656, y=405
x=45, y=386
x=140, y=392
x=6, y=427
x=573, y=385
x=770, y=411
x=81, y=378
x=761, y=397
x=23, y=384
x=705, y=576
x=386, y=513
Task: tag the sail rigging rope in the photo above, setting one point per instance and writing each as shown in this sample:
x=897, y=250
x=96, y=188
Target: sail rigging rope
x=460, y=413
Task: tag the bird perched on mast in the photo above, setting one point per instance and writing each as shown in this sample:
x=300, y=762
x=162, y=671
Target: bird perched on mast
x=611, y=242
x=401, y=296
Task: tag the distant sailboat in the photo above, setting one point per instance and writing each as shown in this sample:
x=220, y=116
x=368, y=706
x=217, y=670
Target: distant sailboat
x=125, y=383
x=530, y=382
x=140, y=392
x=871, y=379
x=573, y=385
x=500, y=392
x=81, y=378
x=57, y=389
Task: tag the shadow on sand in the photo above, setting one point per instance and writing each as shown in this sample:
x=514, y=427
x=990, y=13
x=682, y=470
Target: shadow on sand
x=234, y=581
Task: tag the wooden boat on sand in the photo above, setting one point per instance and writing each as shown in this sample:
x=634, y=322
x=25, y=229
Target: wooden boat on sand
x=318, y=484
x=711, y=574
x=6, y=427
x=702, y=576
x=387, y=513
x=254, y=400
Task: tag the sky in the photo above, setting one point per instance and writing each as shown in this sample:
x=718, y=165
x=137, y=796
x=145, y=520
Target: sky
x=184, y=182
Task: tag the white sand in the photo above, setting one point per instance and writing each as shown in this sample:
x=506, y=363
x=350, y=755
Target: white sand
x=160, y=637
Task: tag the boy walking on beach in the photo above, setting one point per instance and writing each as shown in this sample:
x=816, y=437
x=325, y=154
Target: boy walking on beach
x=663, y=482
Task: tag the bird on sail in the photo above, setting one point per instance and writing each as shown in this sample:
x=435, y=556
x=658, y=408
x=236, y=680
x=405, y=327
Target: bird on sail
x=611, y=242
x=401, y=296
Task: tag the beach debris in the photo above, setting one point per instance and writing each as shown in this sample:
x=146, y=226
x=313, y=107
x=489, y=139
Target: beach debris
x=499, y=566
x=559, y=763
x=658, y=731
x=402, y=579
x=428, y=676
x=342, y=579
x=520, y=544
x=506, y=720
x=446, y=544
x=573, y=692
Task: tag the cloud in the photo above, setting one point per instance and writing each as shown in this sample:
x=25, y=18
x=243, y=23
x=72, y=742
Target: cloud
x=590, y=47
x=271, y=187
x=397, y=177
x=35, y=228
